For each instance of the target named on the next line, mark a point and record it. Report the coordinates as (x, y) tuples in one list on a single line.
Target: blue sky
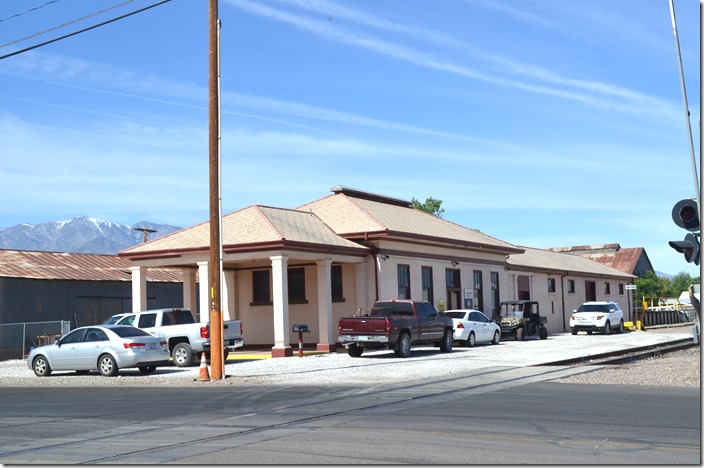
[(544, 123)]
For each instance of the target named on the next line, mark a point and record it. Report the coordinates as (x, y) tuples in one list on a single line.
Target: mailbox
[(300, 328)]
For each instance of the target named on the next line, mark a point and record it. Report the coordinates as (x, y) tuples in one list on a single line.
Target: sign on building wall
[(468, 298)]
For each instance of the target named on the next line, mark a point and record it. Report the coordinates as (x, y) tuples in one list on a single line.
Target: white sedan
[(472, 326)]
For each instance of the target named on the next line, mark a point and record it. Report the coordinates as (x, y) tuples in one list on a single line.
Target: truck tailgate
[(232, 334), (363, 326)]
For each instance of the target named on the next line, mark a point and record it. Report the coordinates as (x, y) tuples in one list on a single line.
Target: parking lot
[(371, 368)]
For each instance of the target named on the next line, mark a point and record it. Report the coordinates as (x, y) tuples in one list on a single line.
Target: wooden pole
[(216, 325)]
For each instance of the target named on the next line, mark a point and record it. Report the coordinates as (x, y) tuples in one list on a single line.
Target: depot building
[(328, 258)]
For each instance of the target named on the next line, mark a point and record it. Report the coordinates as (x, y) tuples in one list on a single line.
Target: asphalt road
[(498, 416)]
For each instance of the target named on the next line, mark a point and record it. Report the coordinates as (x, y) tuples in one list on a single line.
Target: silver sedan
[(106, 348), (472, 326)]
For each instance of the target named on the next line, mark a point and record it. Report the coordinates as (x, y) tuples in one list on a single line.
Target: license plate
[(152, 346)]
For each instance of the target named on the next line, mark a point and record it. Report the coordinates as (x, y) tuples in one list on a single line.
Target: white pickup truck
[(187, 338)]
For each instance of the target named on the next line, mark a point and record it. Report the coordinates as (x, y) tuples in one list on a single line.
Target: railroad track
[(626, 356)]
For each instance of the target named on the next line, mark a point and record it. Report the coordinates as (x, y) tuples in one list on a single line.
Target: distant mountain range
[(80, 235)]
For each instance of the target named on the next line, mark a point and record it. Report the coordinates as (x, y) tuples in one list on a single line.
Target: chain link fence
[(16, 339)]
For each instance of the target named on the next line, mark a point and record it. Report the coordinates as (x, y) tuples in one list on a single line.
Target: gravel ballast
[(680, 368)]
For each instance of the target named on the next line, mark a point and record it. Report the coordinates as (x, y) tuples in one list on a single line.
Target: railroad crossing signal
[(685, 214)]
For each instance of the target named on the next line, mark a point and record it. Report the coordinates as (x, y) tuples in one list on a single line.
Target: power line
[(17, 52), (28, 11), (65, 24)]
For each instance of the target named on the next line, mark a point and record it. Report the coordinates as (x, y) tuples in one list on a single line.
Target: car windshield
[(515, 310), (127, 332), (593, 308), (112, 320)]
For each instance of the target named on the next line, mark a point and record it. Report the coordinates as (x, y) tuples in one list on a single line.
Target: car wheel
[(446, 343), (620, 327), (497, 337), (520, 334), (589, 332), (471, 340), (182, 355), (41, 367), (354, 350), (107, 365), (403, 346), (574, 331), (607, 328), (147, 369), (543, 333)]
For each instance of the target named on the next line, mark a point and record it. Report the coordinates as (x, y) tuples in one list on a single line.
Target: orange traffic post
[(204, 374)]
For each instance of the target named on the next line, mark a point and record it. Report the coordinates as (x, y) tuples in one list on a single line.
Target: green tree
[(680, 282), (650, 285), (431, 206)]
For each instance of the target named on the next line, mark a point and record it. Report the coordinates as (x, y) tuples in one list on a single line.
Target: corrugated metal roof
[(538, 259), (611, 255), (582, 249), (348, 214), (74, 266), (625, 260)]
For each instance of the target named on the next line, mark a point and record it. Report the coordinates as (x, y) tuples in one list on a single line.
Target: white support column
[(326, 341), (228, 295), (203, 290), (189, 289), (279, 277), (139, 288), (360, 283)]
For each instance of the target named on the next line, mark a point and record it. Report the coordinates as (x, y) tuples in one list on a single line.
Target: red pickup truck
[(395, 324)]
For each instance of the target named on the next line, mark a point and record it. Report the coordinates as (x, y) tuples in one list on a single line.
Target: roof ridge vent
[(356, 193)]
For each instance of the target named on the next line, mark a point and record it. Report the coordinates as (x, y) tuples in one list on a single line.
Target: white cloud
[(603, 96)]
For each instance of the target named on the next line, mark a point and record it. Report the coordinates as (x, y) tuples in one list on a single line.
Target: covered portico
[(260, 239)]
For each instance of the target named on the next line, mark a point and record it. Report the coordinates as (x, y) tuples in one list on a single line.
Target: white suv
[(597, 316)]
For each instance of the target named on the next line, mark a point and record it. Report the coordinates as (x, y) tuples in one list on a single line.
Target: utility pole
[(216, 324), (145, 231)]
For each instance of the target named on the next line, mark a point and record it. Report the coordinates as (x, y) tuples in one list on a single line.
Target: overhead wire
[(26, 49), (65, 24), (17, 15)]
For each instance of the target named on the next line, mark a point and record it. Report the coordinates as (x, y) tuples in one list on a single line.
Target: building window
[(452, 284), (297, 285), (551, 285), (261, 290), (426, 273), (404, 281), (620, 289), (336, 283), (478, 291), (607, 288), (570, 286), (495, 297)]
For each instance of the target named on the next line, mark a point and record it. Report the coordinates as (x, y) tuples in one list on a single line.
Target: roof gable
[(251, 226)]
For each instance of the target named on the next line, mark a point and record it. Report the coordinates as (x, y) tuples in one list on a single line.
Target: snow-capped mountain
[(79, 235)]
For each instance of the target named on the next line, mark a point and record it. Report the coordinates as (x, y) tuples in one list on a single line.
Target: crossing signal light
[(685, 214), (689, 247)]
